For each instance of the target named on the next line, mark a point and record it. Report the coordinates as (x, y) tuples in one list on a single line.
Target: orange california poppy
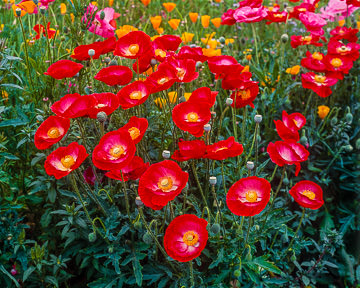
[(205, 21), (145, 2), (174, 23), (193, 17), (169, 6), (216, 22), (155, 21)]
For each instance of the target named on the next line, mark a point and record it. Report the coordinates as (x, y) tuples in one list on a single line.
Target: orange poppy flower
[(174, 23), (26, 7), (169, 6), (193, 17), (62, 9), (155, 21), (187, 37), (216, 22), (205, 21), (145, 2)]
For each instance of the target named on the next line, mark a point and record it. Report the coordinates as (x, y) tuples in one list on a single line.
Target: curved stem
[(297, 229)]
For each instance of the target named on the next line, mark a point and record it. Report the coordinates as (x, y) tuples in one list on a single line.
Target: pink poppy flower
[(250, 15), (313, 23)]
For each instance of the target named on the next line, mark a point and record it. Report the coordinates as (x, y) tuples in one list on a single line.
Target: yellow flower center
[(251, 196), (336, 62), (133, 49), (221, 148), (136, 95), (306, 39), (302, 9), (192, 117), (116, 151), (53, 133), (67, 161), (317, 56), (309, 194), (160, 52), (163, 80), (190, 238), (278, 15), (244, 94), (134, 132), (165, 183), (180, 72), (343, 49), (319, 79), (296, 123)]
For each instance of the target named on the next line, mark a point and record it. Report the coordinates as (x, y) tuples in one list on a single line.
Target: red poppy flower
[(233, 81), (248, 196), (307, 194), (306, 40), (245, 95), (191, 117), (276, 17), (289, 153), (134, 94), (104, 102), (203, 95), (194, 53), (51, 131), (222, 65), (65, 159), (163, 78), (186, 237), (228, 17), (289, 126), (143, 63), (63, 69), (90, 177), (115, 151), (349, 50), (114, 75), (194, 149), (338, 65), (343, 32), (314, 62), (136, 127), (132, 171), (167, 42), (185, 69), (318, 83), (73, 105), (302, 8), (224, 149), (81, 52), (161, 183), (133, 45), (40, 31), (355, 3), (108, 45)]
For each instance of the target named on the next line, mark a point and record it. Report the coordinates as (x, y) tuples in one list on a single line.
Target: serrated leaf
[(218, 260), (137, 270), (266, 265)]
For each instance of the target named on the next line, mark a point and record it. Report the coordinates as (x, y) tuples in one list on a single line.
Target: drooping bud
[(138, 201), (18, 12), (153, 62), (257, 118), (237, 273), (87, 90), (222, 40), (92, 236), (348, 148), (147, 238), (250, 165), (229, 101), (101, 116), (166, 154), (215, 228), (207, 127), (212, 180), (333, 121), (113, 63), (91, 52), (284, 38), (349, 118)]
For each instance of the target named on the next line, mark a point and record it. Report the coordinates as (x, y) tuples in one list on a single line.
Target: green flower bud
[(293, 258), (333, 121), (111, 249), (166, 154), (222, 40), (284, 38), (101, 116), (237, 273), (102, 15), (87, 90), (147, 238), (349, 148), (18, 12), (286, 181), (304, 140), (42, 10), (113, 63), (138, 225), (215, 228), (229, 101), (349, 118), (248, 257), (357, 144), (92, 236)]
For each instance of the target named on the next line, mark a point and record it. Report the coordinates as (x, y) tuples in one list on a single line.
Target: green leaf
[(11, 86), (28, 272), (52, 280), (13, 122), (218, 260), (137, 270), (306, 280), (3, 270), (267, 265)]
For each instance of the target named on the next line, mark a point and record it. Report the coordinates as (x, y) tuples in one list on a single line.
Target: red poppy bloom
[(114, 75), (63, 69), (248, 196), (302, 8), (132, 171), (307, 194), (289, 153), (222, 65), (167, 42), (134, 94), (115, 151), (343, 32), (90, 177), (224, 149), (314, 61), (186, 237), (161, 183), (318, 83), (133, 45), (194, 149), (40, 31), (289, 126), (143, 63), (191, 117), (203, 95), (104, 102), (73, 105), (233, 81), (136, 127), (338, 65), (65, 159), (276, 17), (194, 53), (349, 50), (306, 40), (81, 52), (51, 131), (228, 17), (185, 69), (245, 95), (108, 45), (163, 78), (355, 3)]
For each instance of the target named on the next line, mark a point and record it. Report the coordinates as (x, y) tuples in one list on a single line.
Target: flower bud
[(113, 63), (230, 45), (153, 62), (101, 116), (348, 148), (333, 121), (137, 225), (207, 127), (237, 273), (87, 90), (304, 140), (222, 40), (107, 60), (138, 201), (198, 64), (18, 12), (293, 257), (147, 238), (91, 52), (36, 2), (212, 180), (111, 249), (349, 118), (357, 144), (215, 228), (182, 99), (229, 101), (248, 256), (250, 165), (92, 236), (242, 41), (286, 181), (258, 118), (166, 154), (102, 15), (42, 10), (284, 38)]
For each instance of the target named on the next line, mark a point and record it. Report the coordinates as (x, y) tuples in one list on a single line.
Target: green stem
[(126, 196), (218, 208), (198, 183), (255, 41), (297, 229), (26, 53), (191, 274), (248, 231)]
